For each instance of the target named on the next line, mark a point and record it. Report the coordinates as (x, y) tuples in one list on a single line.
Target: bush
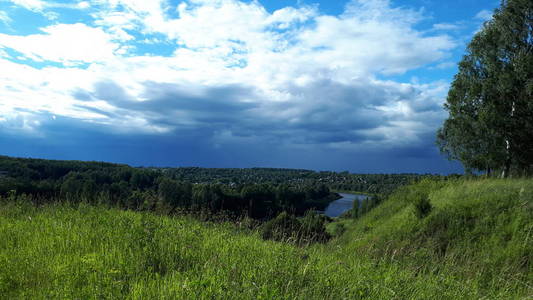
[(281, 228), (422, 207)]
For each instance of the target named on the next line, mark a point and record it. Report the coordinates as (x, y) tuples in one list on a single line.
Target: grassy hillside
[(476, 242), (478, 234)]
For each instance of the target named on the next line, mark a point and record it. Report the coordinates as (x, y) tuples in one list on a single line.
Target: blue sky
[(326, 85)]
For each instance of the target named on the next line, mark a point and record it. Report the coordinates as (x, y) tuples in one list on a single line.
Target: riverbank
[(322, 204), (343, 204), (353, 192)]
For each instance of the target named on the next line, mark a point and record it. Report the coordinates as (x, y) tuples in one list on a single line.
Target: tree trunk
[(507, 167), (250, 207)]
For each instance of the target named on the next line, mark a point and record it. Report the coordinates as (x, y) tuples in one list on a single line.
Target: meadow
[(475, 242)]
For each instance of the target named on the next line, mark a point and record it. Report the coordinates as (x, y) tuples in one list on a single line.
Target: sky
[(325, 85)]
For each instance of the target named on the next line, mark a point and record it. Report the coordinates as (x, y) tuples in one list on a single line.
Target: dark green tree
[(490, 102), (170, 194)]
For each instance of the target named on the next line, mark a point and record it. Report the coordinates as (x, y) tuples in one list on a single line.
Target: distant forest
[(259, 193), (343, 181)]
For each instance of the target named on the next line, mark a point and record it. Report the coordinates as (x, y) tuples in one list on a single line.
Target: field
[(474, 243)]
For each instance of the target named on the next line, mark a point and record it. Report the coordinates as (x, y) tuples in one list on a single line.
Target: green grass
[(475, 243)]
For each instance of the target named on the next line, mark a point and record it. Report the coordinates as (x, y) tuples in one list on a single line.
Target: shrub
[(422, 207), (281, 228)]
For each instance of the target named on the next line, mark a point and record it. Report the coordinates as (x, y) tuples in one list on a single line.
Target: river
[(337, 207)]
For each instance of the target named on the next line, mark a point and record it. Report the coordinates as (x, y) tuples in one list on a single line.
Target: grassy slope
[(476, 243)]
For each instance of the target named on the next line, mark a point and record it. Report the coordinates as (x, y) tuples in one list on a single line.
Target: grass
[(476, 242)]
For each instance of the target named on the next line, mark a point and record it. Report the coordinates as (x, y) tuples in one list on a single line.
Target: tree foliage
[(490, 102), (258, 193), (158, 189)]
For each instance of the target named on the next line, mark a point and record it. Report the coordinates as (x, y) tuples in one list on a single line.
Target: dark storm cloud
[(329, 106), (235, 125), (162, 98), (321, 112), (172, 105), (223, 99), (327, 111), (68, 138)]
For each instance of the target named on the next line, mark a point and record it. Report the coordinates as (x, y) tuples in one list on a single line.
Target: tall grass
[(474, 243)]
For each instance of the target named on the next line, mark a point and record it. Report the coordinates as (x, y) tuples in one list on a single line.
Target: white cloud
[(359, 45), (28, 89), (83, 5), (43, 7), (290, 73), (285, 17), (35, 5), (51, 15), (446, 26), (63, 43)]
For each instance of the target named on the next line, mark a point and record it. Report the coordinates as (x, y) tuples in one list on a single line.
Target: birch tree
[(490, 102)]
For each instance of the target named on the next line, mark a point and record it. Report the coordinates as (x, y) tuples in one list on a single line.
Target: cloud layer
[(227, 73)]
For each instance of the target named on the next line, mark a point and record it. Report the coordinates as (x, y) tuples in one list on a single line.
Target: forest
[(257, 193)]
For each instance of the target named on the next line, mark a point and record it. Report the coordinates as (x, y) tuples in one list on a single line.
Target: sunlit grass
[(475, 243)]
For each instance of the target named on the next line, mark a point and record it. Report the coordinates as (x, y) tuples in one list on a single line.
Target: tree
[(490, 102), (356, 209), (169, 194)]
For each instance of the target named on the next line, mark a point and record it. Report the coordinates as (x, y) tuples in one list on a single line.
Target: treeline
[(257, 201), (153, 189), (365, 183), (52, 178)]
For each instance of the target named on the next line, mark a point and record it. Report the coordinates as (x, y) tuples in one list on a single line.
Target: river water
[(337, 207)]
